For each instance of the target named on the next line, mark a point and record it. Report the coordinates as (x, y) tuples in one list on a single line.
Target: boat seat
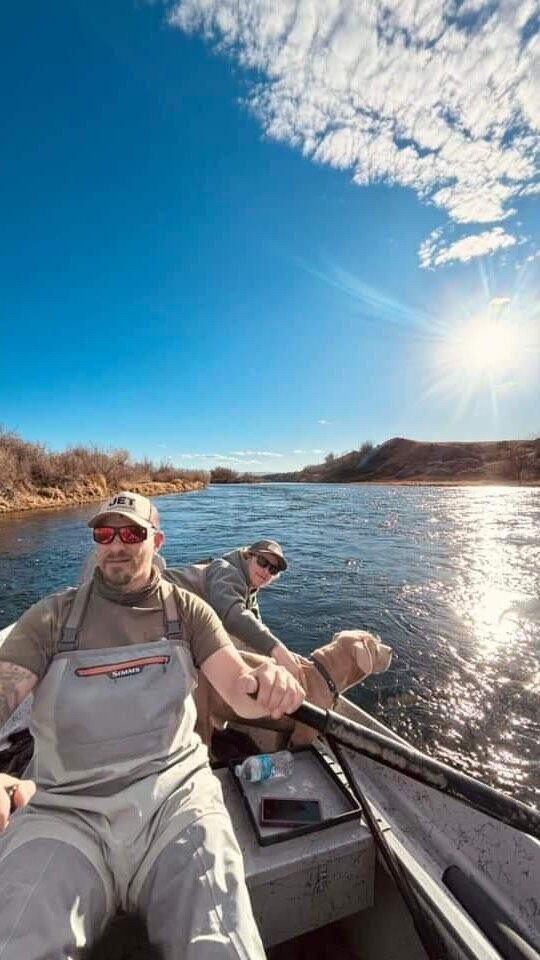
[(305, 882)]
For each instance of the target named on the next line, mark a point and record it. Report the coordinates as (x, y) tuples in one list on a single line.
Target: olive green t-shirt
[(112, 619)]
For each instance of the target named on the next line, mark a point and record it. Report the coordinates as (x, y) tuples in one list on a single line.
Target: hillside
[(400, 461)]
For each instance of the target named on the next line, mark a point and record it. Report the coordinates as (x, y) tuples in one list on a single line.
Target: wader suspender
[(173, 629), (69, 640)]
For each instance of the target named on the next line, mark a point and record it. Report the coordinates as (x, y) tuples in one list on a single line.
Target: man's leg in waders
[(194, 897), (55, 893)]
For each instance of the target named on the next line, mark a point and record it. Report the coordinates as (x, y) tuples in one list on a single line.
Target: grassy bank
[(32, 477)]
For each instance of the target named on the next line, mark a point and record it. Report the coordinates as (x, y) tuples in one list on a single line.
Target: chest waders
[(127, 813)]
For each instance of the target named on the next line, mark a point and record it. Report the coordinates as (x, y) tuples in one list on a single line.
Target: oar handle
[(312, 716), (412, 763)]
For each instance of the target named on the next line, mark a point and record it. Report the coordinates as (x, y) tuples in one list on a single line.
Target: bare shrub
[(223, 475), (365, 448), (8, 470), (32, 463)]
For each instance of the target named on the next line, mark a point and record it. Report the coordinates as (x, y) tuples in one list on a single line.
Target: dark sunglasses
[(264, 563), (131, 534)]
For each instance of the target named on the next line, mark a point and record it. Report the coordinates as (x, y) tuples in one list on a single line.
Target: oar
[(412, 763)]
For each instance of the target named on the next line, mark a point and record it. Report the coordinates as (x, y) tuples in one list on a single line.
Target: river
[(448, 576)]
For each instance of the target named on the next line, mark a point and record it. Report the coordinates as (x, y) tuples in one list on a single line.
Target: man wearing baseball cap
[(231, 584), (120, 808)]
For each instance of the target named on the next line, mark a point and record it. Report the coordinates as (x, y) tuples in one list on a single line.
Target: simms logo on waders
[(129, 668)]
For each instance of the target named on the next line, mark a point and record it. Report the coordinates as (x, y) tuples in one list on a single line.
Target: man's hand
[(274, 690), (13, 793), (291, 661)]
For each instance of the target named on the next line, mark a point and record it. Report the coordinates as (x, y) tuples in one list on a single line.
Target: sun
[(488, 350), (485, 345)]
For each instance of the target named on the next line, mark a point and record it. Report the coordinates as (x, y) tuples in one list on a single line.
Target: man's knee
[(195, 898), (52, 900)]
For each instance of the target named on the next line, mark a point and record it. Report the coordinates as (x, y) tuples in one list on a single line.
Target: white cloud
[(499, 301), (317, 451), (531, 190), (222, 457), (255, 453), (443, 98), (299, 451), (433, 253), (240, 457), (322, 421)]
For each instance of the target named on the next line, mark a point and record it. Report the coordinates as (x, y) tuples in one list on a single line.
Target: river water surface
[(448, 576)]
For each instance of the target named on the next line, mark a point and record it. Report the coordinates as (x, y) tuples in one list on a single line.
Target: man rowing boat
[(125, 811)]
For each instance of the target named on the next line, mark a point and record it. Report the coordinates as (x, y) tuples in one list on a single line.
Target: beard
[(117, 576)]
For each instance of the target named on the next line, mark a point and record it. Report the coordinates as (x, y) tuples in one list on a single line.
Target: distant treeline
[(334, 469), (32, 476), (226, 475)]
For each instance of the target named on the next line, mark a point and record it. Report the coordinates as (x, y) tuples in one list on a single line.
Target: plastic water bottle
[(266, 766)]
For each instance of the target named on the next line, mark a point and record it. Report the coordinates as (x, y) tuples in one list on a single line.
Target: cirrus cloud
[(442, 98), (255, 453), (222, 457)]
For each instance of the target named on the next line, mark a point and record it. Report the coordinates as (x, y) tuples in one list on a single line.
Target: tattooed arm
[(15, 684)]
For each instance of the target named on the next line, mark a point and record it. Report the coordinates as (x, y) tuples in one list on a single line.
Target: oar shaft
[(412, 763)]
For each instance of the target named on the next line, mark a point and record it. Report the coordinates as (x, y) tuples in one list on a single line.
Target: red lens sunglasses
[(128, 534)]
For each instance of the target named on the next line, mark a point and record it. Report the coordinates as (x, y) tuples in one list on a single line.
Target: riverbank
[(32, 477), (90, 489)]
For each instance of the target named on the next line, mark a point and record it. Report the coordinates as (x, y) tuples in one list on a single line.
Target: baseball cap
[(133, 506), (269, 546)]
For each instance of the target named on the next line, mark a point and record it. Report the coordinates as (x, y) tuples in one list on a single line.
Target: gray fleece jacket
[(224, 584)]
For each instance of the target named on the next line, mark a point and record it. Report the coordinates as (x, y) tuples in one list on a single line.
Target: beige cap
[(272, 547), (133, 506)]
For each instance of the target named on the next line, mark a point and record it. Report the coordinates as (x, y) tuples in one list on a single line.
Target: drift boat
[(412, 859)]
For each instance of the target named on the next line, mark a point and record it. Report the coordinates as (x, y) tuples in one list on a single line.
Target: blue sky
[(253, 234)]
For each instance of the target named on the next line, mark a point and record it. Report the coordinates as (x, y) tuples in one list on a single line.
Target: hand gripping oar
[(412, 763)]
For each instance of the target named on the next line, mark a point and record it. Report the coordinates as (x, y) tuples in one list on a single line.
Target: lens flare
[(486, 346), (490, 350)]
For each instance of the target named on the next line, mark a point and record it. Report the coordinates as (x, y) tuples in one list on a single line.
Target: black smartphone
[(289, 812)]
